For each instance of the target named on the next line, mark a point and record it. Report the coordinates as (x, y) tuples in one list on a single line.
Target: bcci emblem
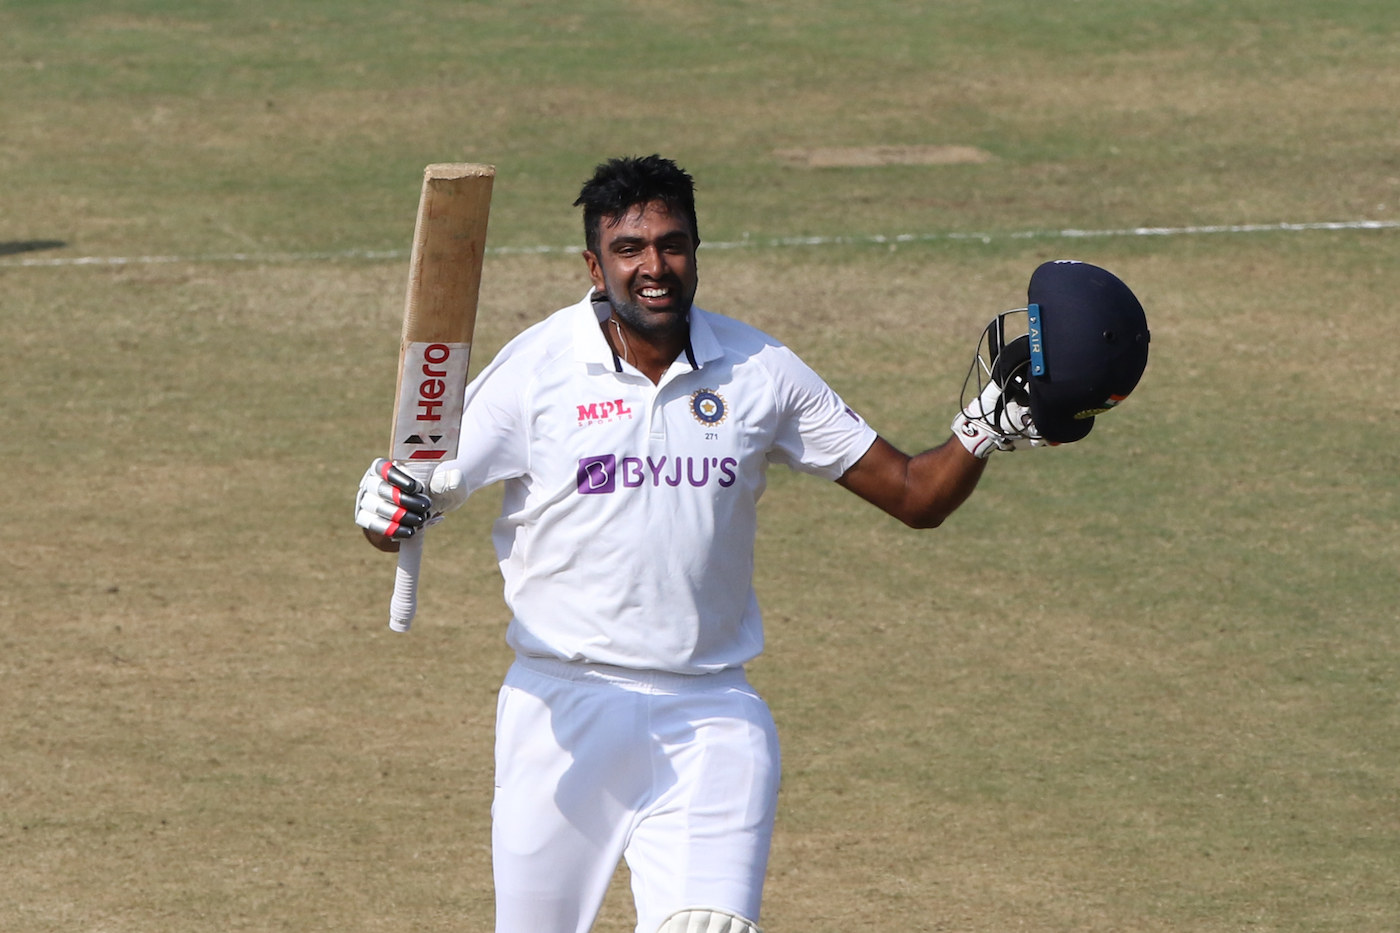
[(708, 407)]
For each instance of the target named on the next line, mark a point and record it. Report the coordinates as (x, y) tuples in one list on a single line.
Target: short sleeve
[(817, 432)]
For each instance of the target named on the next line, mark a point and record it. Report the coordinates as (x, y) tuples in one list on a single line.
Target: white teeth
[(654, 293)]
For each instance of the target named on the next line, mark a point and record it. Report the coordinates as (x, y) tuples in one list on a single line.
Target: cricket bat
[(444, 275)]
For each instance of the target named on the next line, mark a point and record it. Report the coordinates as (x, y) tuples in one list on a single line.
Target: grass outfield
[(1146, 682)]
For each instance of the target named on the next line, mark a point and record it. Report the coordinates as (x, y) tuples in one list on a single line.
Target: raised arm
[(920, 491), (923, 490)]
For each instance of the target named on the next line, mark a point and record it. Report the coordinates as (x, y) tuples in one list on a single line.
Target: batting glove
[(391, 503), (995, 421), (448, 490)]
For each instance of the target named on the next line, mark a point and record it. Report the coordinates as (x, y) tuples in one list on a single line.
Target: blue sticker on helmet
[(1037, 341)]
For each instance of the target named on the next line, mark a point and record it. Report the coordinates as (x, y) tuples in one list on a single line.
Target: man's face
[(646, 265)]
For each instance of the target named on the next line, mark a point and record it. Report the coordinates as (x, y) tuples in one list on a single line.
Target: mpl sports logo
[(603, 412), (600, 475)]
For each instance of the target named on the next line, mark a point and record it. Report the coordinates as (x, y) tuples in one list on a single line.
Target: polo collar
[(590, 346)]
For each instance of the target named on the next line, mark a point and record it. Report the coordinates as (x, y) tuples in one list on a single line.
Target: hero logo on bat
[(428, 420)]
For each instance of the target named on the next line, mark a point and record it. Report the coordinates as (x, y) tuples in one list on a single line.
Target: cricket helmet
[(1083, 350)]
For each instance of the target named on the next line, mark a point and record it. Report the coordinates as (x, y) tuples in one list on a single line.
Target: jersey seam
[(849, 453), (528, 401), (772, 384)]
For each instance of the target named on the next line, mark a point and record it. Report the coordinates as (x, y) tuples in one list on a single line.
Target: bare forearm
[(937, 482), (921, 491)]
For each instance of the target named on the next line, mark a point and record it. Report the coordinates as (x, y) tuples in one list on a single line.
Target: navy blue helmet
[(1083, 350), (1092, 346)]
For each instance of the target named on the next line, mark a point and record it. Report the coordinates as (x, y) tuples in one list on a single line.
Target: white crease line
[(1058, 234), (745, 243), (210, 257)]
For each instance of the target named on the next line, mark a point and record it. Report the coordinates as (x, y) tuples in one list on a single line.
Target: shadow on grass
[(28, 246)]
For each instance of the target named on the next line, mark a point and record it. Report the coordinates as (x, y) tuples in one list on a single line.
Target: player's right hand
[(390, 502)]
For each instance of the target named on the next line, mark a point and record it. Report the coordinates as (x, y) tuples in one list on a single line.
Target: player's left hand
[(996, 421), (391, 503)]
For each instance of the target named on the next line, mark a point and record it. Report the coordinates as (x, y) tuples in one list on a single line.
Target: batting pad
[(706, 920)]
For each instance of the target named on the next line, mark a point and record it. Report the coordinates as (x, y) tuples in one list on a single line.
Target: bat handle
[(404, 604)]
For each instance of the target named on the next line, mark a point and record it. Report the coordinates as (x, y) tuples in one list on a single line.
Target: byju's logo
[(597, 475)]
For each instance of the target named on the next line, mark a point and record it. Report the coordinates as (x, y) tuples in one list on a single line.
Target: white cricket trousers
[(676, 773)]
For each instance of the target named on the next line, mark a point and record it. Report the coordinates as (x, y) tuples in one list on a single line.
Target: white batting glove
[(993, 422), (391, 503), (448, 490)]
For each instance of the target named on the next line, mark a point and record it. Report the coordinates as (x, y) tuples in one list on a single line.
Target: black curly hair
[(620, 184)]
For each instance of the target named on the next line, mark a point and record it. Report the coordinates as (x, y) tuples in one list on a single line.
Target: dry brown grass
[(1142, 683), (1262, 122), (210, 728)]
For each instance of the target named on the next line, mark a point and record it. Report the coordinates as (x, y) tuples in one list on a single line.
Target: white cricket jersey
[(627, 532)]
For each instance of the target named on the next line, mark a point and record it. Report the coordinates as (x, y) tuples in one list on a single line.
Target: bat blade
[(449, 242)]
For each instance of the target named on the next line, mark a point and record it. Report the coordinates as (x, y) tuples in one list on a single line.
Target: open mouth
[(658, 297)]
